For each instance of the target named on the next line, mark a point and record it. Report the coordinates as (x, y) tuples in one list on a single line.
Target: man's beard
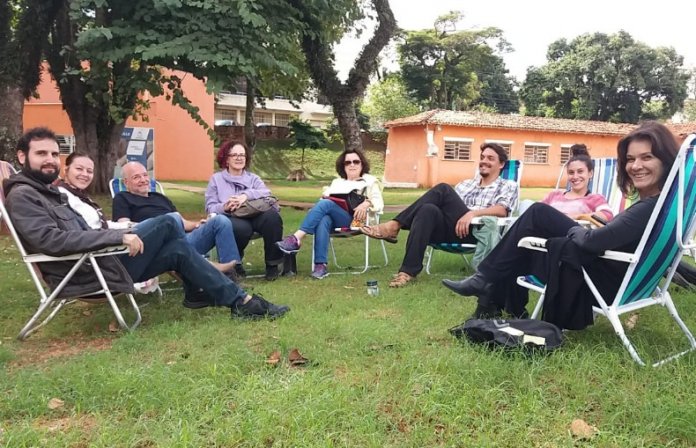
[(38, 175)]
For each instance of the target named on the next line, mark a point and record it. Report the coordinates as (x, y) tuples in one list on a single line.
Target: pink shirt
[(575, 206)]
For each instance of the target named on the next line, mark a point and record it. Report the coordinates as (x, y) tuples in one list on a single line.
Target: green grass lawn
[(384, 371)]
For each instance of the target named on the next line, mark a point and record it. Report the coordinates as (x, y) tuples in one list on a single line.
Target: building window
[(225, 114), (66, 144), (506, 144), (457, 149), (536, 153), (565, 154), (263, 117), (282, 119)]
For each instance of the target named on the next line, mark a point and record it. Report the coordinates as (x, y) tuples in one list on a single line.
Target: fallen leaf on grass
[(580, 429), (296, 359), (632, 321), (113, 327), (55, 403), (86, 313), (349, 287), (274, 359)]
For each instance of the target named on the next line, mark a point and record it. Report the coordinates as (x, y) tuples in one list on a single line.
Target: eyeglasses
[(349, 162), (236, 156)]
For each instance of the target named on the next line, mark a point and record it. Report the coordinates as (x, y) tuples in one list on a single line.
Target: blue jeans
[(167, 250), (320, 221), (216, 232)]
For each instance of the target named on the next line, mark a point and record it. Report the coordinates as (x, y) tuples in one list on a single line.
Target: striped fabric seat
[(653, 264), (512, 170), (117, 185)]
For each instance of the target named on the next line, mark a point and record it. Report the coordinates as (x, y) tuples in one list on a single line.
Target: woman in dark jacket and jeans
[(645, 157)]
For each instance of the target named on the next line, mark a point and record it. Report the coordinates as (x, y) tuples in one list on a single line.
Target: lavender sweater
[(223, 185)]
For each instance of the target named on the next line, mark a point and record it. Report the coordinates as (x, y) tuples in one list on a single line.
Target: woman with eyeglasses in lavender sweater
[(229, 188)]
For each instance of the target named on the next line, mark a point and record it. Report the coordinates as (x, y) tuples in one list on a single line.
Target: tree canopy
[(24, 28), (387, 100), (454, 69), (606, 78)]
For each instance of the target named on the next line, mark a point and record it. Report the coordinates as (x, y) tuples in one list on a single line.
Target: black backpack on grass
[(527, 334)]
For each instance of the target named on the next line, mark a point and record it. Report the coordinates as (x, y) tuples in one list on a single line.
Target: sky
[(530, 26)]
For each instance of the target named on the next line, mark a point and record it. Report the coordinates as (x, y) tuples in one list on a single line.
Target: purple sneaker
[(319, 271), (289, 245)]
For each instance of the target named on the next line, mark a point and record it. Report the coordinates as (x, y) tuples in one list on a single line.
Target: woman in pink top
[(578, 202)]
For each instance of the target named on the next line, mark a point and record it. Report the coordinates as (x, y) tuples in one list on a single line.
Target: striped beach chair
[(603, 182), (512, 170), (653, 264)]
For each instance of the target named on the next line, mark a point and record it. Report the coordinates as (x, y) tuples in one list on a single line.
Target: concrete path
[(293, 204)]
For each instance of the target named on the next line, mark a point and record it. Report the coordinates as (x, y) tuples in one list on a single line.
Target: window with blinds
[(536, 153), (565, 153), (66, 144), (457, 150)]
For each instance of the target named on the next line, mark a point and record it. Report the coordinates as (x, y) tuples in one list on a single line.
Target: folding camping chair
[(512, 170), (116, 185), (348, 232), (653, 264), (89, 258)]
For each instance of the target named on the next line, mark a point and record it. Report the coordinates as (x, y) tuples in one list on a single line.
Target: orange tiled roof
[(490, 120), (682, 129)]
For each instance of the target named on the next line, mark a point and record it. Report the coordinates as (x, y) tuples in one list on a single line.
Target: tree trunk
[(319, 55), (249, 128), (344, 111), (11, 110)]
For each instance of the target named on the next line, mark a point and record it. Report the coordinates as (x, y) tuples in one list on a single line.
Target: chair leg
[(112, 302), (31, 326), (429, 258), (536, 314)]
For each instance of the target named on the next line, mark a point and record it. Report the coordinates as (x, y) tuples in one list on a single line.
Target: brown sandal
[(379, 232), (401, 279)]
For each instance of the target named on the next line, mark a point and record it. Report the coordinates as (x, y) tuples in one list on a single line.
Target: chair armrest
[(539, 244), (502, 222), (107, 251)]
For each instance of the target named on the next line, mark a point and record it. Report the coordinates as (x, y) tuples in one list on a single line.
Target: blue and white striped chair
[(117, 185), (512, 170), (653, 264)]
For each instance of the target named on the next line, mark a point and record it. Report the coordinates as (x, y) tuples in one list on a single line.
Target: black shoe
[(272, 272), (197, 300), (487, 312), (258, 308), (475, 285), (232, 275), (239, 270)]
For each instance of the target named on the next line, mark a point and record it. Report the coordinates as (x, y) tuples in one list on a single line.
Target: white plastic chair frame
[(31, 260), (339, 232)]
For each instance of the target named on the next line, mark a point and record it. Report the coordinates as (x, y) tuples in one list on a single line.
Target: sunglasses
[(349, 162)]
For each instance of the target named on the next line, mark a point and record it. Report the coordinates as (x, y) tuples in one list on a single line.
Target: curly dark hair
[(341, 169), (225, 150), (662, 144), (40, 133), (498, 150)]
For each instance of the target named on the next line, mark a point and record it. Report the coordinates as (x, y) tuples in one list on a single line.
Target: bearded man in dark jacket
[(46, 224)]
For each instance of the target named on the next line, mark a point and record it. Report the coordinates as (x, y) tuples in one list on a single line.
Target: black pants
[(269, 225), (430, 219), (507, 261)]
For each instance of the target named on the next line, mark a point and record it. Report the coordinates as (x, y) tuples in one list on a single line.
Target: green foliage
[(387, 100), (448, 69), (607, 78), (304, 135)]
